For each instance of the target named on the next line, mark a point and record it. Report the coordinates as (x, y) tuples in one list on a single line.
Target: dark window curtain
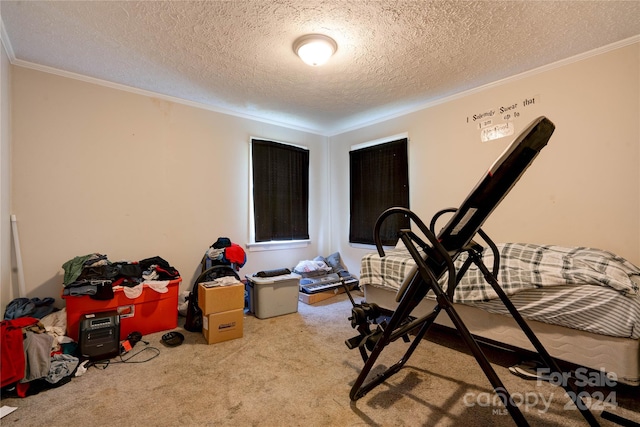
[(280, 191), (379, 180)]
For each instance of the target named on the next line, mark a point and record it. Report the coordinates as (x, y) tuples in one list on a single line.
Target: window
[(280, 196), (379, 179)]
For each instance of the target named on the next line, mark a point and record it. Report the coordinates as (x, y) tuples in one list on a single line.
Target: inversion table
[(437, 259)]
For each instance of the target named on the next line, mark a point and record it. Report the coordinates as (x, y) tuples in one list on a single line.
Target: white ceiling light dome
[(315, 49)]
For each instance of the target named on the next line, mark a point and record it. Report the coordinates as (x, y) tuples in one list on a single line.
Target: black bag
[(194, 314), (193, 323)]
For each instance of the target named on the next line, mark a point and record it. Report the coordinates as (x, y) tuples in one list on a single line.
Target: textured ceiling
[(236, 56)]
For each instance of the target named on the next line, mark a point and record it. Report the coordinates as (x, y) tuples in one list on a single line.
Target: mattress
[(618, 357), (584, 302), (580, 288)]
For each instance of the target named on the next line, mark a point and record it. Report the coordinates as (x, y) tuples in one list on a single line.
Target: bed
[(582, 303)]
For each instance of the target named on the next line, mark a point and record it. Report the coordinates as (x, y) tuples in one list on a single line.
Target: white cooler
[(273, 296)]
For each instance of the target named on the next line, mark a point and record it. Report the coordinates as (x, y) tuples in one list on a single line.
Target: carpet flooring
[(295, 370)]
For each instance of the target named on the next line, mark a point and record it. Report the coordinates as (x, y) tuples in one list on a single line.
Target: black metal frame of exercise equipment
[(439, 255)]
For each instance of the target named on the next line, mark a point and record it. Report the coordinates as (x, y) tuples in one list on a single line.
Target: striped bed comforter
[(581, 288)]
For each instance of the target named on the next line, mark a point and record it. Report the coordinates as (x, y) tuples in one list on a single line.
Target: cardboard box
[(225, 326), (273, 296), (150, 312), (320, 296), (220, 298)]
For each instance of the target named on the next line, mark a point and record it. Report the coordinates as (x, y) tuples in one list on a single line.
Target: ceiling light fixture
[(315, 49)]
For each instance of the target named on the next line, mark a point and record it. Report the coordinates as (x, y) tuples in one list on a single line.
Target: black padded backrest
[(495, 185)]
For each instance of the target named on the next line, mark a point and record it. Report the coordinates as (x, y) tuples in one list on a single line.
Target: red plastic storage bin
[(150, 312)]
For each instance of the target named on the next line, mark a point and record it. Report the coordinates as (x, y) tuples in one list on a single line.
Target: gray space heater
[(99, 336)]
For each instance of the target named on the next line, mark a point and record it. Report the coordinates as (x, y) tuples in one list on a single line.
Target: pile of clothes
[(29, 307), (96, 276), (35, 354), (224, 252)]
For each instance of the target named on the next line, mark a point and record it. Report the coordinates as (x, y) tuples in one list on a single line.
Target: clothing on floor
[(12, 358)]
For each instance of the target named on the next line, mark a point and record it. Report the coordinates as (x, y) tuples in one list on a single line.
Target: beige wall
[(97, 169), (7, 292), (583, 189)]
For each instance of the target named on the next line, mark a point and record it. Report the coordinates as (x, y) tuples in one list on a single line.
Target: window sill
[(277, 245), (369, 247)]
